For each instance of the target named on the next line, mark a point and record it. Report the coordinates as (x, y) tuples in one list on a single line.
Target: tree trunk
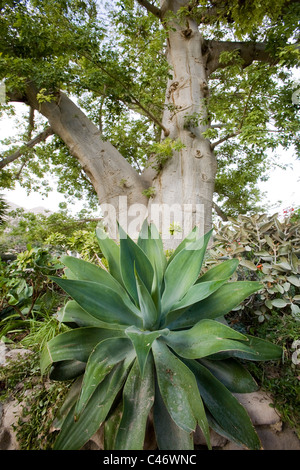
[(186, 182)]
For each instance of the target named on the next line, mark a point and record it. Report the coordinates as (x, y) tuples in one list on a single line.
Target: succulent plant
[(148, 336)]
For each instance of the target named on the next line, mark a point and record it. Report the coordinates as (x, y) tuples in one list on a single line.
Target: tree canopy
[(110, 57)]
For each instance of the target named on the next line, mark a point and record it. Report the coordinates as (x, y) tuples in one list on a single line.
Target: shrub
[(26, 292), (268, 251)]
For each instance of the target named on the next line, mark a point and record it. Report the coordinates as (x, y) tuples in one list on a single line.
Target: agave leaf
[(68, 404), (224, 407), (192, 237), (232, 374), (169, 436), (195, 293), (74, 434), (73, 313), (102, 360), (205, 338), (151, 243), (101, 302), (260, 350), (142, 342), (182, 272), (66, 370), (222, 301), (147, 307), (74, 345), (179, 390), (86, 271), (111, 252), (138, 398), (223, 270), (111, 427), (133, 257)]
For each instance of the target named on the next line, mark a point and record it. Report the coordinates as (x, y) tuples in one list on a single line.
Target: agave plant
[(148, 335)]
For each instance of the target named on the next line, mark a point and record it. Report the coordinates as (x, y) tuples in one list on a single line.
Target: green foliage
[(268, 251), (144, 335), (59, 229), (20, 380), (26, 293), (3, 210), (149, 192), (163, 151)]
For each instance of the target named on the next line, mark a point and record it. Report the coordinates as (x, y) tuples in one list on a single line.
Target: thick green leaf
[(68, 403), (138, 399), (86, 271), (183, 271), (66, 370), (169, 436), (224, 407), (102, 360), (111, 252), (74, 345), (142, 341), (221, 271), (179, 390), (260, 350), (192, 237), (222, 301), (195, 293), (74, 434), (205, 338), (111, 426), (151, 243), (133, 258), (232, 374), (147, 307), (101, 302), (73, 313)]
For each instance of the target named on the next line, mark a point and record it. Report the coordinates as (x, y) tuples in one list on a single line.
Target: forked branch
[(150, 7), (32, 143)]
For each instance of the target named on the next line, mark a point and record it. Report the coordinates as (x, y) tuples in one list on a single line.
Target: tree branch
[(220, 212), (39, 138), (151, 8), (248, 51), (227, 137)]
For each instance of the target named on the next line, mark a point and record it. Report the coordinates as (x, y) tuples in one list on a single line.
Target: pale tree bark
[(188, 177), (118, 185)]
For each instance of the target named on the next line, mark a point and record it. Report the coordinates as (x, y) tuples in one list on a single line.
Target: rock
[(3, 351), (7, 354), (271, 439), (11, 411), (215, 439), (259, 407), (232, 446)]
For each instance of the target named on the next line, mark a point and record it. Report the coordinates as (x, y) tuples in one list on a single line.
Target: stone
[(215, 439), (258, 406), (3, 351), (11, 411), (271, 439)]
